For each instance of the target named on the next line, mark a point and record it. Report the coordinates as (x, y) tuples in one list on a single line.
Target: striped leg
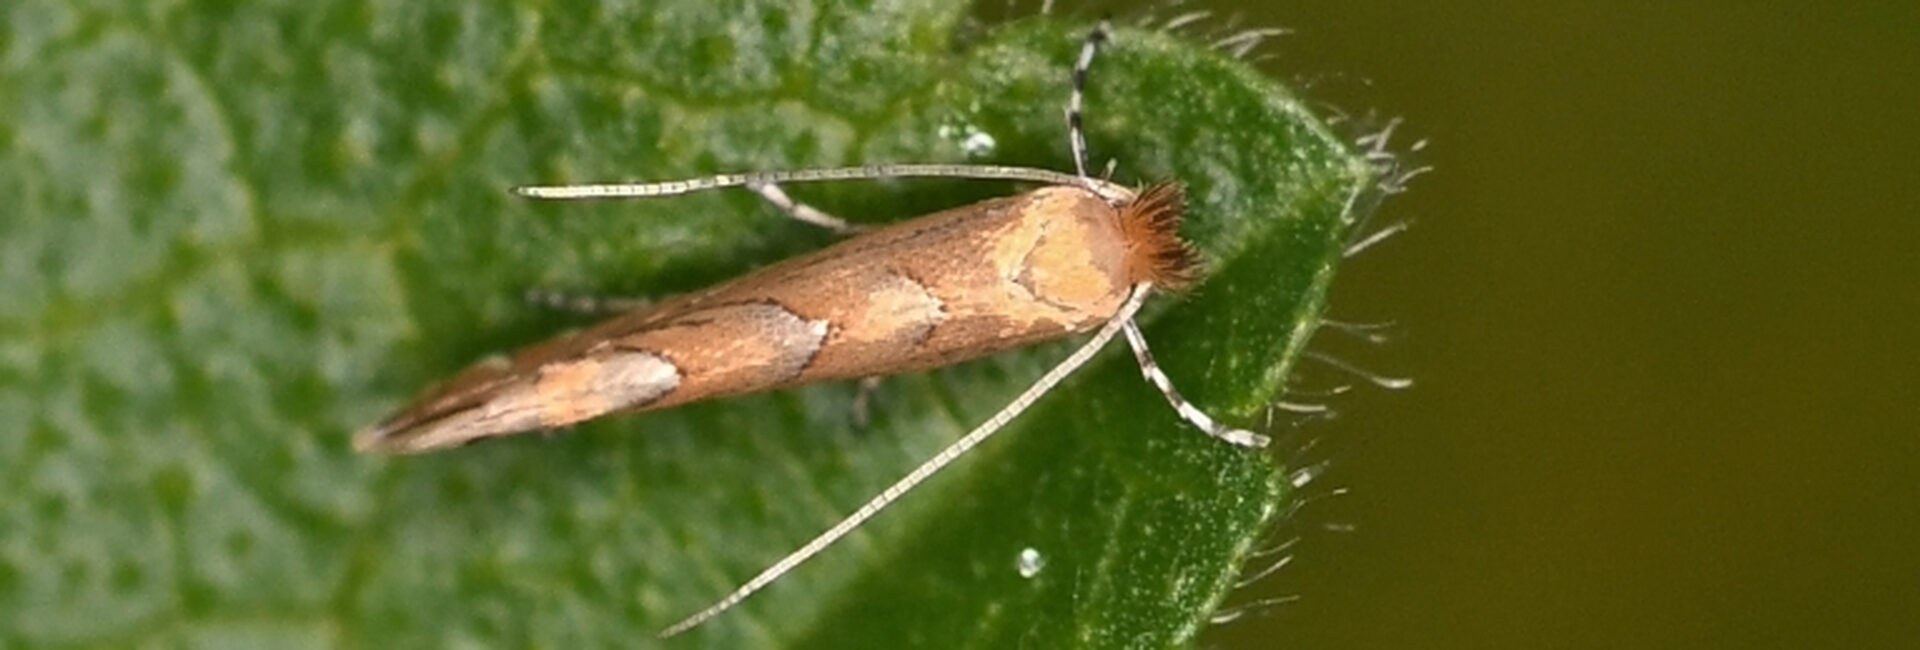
[(801, 211), (1076, 136), (1186, 409)]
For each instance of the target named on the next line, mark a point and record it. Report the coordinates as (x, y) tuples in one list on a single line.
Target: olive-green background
[(1658, 297)]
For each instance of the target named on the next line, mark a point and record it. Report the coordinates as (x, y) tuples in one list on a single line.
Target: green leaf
[(240, 232)]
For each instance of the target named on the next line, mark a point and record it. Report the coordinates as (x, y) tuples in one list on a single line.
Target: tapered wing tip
[(402, 435), (449, 423), (380, 439)]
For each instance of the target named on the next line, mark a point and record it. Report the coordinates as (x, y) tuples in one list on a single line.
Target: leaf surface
[(241, 232)]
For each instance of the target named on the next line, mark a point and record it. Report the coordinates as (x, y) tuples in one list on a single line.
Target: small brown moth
[(1079, 254)]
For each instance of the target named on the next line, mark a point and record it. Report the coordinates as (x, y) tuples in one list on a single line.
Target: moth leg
[(801, 211), (583, 303), (863, 401), (1192, 414), (1076, 135)]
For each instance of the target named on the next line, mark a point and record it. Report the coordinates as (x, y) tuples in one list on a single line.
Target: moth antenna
[(966, 443), (1076, 136), (1108, 190)]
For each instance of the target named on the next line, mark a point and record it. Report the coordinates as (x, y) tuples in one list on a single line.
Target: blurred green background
[(1658, 297)]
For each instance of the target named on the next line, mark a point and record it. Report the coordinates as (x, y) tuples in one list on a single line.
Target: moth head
[(1155, 252)]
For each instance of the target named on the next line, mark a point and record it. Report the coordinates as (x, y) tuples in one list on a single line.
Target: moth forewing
[(923, 293)]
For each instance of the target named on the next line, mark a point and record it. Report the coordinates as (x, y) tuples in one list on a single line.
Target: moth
[(1078, 254)]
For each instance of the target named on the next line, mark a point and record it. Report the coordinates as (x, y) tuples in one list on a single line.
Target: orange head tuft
[(1155, 252)]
